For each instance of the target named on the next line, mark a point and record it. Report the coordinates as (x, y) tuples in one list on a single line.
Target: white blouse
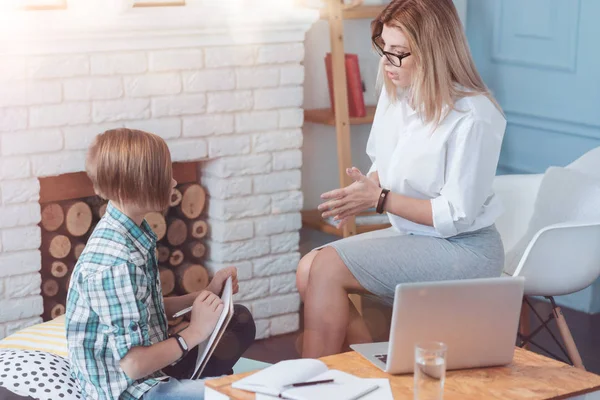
[(453, 166)]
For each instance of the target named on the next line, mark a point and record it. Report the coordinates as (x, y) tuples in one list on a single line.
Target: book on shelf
[(354, 83)]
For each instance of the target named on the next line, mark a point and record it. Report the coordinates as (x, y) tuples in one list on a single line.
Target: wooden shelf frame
[(335, 12), (359, 12)]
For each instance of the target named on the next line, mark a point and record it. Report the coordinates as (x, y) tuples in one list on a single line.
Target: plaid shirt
[(114, 303)]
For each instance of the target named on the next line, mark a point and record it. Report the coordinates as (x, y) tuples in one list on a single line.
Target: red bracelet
[(381, 201)]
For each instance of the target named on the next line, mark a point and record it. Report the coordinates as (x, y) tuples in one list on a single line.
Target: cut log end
[(102, 210), (163, 254), (192, 278), (176, 197), (167, 281), (198, 229), (176, 232), (50, 288), (52, 217), (58, 269), (78, 218), (158, 224), (60, 246), (176, 258), (78, 249), (193, 200), (196, 249), (57, 310)]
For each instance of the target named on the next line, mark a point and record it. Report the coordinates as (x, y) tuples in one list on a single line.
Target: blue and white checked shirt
[(114, 303)]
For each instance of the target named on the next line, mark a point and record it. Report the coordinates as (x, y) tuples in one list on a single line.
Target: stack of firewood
[(66, 226)]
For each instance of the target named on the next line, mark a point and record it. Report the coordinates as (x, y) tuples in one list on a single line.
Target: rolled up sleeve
[(471, 161), (117, 295)]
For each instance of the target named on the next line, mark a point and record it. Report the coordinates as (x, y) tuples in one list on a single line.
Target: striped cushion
[(49, 336)]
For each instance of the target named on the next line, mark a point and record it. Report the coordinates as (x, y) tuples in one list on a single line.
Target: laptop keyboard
[(381, 357)]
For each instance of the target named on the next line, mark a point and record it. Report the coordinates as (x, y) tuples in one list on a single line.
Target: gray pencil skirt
[(379, 260)]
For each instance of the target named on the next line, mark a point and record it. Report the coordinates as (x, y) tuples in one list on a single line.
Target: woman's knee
[(303, 272), (327, 265)]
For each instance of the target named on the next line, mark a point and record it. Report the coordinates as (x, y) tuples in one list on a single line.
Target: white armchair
[(560, 258)]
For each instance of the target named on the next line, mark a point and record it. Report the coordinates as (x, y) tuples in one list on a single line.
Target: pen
[(182, 312), (311, 383)]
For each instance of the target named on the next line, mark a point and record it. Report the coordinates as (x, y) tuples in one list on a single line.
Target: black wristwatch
[(183, 345), (381, 201)]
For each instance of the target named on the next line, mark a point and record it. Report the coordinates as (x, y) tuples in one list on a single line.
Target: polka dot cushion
[(38, 374)]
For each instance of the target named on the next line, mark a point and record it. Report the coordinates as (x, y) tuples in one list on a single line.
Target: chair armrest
[(517, 194), (561, 259)]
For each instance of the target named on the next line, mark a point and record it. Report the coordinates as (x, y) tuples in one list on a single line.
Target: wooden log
[(99, 207), (176, 232), (176, 197), (78, 249), (163, 253), (198, 229), (158, 224), (167, 281), (49, 288), (191, 278), (56, 309), (78, 218), (60, 246), (58, 269), (195, 249), (176, 321), (192, 201), (52, 217), (102, 209), (176, 258)]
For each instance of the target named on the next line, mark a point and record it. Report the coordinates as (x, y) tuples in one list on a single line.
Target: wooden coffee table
[(529, 377)]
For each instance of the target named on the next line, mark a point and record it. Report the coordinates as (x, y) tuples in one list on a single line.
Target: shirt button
[(134, 327)]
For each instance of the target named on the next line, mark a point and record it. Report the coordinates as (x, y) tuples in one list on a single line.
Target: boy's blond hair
[(131, 166)]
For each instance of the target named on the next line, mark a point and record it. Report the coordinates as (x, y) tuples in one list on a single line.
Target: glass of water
[(430, 371)]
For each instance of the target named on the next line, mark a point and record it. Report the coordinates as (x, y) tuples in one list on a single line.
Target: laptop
[(476, 318)]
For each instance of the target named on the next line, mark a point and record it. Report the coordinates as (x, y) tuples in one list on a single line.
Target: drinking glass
[(430, 371)]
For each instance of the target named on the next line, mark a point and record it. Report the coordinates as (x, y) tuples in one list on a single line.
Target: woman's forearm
[(415, 210)]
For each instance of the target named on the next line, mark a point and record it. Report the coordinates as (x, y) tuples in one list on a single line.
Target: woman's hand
[(351, 200)]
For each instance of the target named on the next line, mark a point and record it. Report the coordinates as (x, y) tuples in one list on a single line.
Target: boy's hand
[(216, 285), (205, 313)]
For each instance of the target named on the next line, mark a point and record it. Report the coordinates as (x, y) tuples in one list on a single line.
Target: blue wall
[(541, 58)]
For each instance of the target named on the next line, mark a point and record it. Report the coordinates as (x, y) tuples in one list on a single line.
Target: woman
[(434, 145)]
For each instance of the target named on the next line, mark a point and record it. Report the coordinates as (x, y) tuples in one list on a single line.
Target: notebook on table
[(277, 380)]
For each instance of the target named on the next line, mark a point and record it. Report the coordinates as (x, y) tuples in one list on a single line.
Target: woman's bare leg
[(326, 305), (357, 331)]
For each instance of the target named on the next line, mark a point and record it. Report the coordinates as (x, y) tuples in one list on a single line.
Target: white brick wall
[(237, 108)]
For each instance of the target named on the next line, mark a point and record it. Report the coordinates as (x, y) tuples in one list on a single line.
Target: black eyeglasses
[(393, 58)]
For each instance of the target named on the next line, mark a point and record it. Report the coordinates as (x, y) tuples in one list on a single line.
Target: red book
[(356, 100)]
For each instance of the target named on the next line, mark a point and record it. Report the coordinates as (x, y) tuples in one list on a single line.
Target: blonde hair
[(445, 71), (131, 166)]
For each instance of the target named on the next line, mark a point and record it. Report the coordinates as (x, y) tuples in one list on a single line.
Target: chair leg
[(567, 337), (525, 323)]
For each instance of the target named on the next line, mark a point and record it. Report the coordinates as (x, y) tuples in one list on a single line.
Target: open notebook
[(206, 348), (276, 381)]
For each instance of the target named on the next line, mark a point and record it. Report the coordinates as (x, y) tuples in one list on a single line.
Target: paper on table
[(382, 392), (272, 380)]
